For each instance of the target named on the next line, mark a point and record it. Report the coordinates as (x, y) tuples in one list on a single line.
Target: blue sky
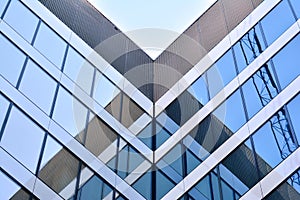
[(152, 25)]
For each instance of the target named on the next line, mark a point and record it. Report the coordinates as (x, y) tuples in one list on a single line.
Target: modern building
[(85, 113)]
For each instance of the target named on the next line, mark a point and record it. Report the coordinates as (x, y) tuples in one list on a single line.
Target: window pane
[(3, 109), (266, 148), (69, 113), (234, 114), (59, 168), (12, 60), (79, 70), (10, 187), (38, 86), (143, 185), (294, 111), (50, 44), (226, 191), (199, 90), (296, 6), (95, 188), (22, 139), (283, 17), (21, 19), (104, 90), (2, 6), (287, 63)]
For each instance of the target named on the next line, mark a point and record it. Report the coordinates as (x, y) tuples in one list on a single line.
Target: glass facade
[(73, 127)]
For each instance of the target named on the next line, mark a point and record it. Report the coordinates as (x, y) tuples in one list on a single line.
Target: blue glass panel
[(3, 108), (191, 161), (3, 4), (12, 60), (50, 45), (283, 17), (227, 192), (69, 113), (79, 70), (265, 145), (8, 187), (38, 86), (233, 114), (104, 90), (94, 189), (199, 90), (23, 139), (163, 185), (21, 19), (215, 186), (287, 63), (296, 7), (204, 187), (226, 67), (294, 111), (143, 185), (248, 47)]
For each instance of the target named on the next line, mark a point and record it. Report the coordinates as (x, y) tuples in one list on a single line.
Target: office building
[(85, 113)]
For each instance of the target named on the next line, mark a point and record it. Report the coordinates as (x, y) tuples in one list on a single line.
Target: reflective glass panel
[(10, 187), (221, 73), (283, 17), (294, 112), (59, 168), (50, 45), (69, 112), (3, 3), (95, 188), (266, 148), (12, 60), (287, 63), (38, 86), (104, 90), (296, 7), (232, 112), (21, 19), (79, 70), (23, 139), (3, 108), (287, 190), (199, 90)]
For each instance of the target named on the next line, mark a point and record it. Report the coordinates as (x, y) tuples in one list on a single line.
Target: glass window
[(3, 109), (143, 185), (104, 90), (95, 188), (204, 187), (287, 63), (2, 6), (294, 111), (296, 7), (221, 73), (59, 168), (12, 61), (161, 180), (199, 90), (233, 112), (21, 19), (266, 148), (283, 17), (79, 70), (69, 113), (248, 47), (23, 139), (8, 187), (50, 44), (38, 86), (227, 192), (251, 94)]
